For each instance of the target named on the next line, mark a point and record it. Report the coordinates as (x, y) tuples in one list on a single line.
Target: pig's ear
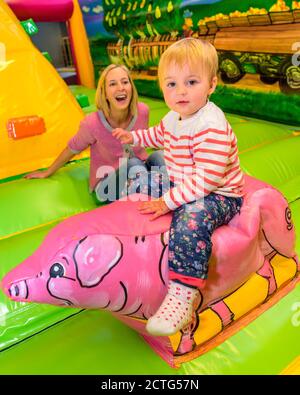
[(95, 257)]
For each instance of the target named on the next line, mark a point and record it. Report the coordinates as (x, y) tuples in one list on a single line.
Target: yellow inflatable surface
[(30, 86)]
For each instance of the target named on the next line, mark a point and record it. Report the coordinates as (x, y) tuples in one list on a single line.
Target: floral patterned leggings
[(191, 229)]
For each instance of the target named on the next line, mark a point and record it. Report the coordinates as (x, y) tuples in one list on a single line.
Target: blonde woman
[(118, 106)]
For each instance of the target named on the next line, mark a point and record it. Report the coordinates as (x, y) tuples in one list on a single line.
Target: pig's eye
[(57, 270)]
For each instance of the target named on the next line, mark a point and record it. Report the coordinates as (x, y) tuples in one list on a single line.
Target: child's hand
[(156, 206), (122, 135)]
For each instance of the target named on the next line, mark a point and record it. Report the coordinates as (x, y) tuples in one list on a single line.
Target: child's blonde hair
[(100, 97), (198, 54)]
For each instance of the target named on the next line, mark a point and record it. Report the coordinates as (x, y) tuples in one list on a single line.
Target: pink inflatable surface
[(114, 258)]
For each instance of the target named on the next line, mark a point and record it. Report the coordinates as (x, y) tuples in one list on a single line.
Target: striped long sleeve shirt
[(200, 153)]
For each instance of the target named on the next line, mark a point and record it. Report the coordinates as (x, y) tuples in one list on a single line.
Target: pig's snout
[(17, 291)]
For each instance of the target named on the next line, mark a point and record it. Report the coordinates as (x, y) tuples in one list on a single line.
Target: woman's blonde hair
[(199, 54), (101, 99)]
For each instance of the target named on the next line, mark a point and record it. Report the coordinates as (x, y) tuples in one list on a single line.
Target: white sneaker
[(175, 312)]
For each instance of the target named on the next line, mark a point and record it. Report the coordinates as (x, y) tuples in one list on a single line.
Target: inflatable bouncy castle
[(112, 257), (35, 91), (79, 282)]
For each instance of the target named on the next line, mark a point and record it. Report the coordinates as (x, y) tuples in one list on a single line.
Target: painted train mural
[(253, 36)]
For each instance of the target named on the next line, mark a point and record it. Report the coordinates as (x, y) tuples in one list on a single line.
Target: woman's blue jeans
[(114, 185)]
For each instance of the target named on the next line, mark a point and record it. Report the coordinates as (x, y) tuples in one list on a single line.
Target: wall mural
[(99, 37), (258, 41)]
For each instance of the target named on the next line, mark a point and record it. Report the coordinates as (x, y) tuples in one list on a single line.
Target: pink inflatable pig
[(114, 258)]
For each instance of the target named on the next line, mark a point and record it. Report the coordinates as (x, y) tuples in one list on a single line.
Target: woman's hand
[(122, 135), (156, 206), (38, 174)]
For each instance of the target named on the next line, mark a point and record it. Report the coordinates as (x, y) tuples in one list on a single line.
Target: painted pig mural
[(114, 258)]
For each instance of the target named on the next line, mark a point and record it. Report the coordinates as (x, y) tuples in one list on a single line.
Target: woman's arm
[(62, 159)]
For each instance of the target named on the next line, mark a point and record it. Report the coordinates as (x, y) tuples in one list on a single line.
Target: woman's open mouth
[(121, 98)]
